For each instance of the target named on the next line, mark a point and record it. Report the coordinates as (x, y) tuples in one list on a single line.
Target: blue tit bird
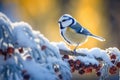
[(73, 33)]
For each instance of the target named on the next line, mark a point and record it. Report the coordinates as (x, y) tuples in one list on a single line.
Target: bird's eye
[(63, 20)]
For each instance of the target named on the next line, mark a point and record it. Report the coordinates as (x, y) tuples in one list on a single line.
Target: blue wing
[(81, 30)]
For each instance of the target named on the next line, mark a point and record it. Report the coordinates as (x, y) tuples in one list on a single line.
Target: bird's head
[(66, 20)]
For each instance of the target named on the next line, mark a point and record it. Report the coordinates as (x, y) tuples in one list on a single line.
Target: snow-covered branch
[(25, 54)]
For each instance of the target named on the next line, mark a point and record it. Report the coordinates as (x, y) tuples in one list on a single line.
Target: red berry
[(113, 56), (77, 67), (72, 69), (81, 71), (10, 50), (43, 47), (98, 73), (112, 70), (118, 64), (98, 67), (65, 57), (82, 65), (71, 62), (88, 70), (21, 50), (77, 62)]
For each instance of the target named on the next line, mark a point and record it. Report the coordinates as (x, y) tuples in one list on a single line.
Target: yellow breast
[(73, 37)]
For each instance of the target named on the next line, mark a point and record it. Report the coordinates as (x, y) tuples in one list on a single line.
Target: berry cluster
[(82, 68), (115, 60), (9, 51)]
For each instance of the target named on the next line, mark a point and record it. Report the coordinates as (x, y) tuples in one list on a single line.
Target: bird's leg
[(74, 50)]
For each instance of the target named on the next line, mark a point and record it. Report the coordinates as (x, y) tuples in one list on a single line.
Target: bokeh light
[(99, 16)]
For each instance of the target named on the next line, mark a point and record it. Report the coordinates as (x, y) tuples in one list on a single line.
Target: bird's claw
[(74, 52)]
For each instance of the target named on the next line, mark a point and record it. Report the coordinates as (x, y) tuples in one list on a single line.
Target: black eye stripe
[(61, 27), (66, 19)]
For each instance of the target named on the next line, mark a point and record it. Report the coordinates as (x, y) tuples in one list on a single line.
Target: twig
[(66, 52), (71, 53)]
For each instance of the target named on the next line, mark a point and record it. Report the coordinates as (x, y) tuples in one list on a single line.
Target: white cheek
[(66, 23)]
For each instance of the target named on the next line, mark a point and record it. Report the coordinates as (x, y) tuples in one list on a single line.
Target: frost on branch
[(103, 62), (25, 54)]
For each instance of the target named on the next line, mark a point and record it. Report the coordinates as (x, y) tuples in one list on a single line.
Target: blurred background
[(101, 17)]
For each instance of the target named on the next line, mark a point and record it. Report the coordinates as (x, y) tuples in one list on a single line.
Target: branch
[(71, 53), (66, 52)]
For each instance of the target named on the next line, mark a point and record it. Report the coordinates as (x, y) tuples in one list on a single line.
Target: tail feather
[(98, 38)]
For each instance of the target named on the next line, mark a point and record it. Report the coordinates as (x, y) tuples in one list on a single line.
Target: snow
[(64, 67), (38, 72), (114, 50), (23, 34), (40, 63), (92, 54), (2, 62)]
